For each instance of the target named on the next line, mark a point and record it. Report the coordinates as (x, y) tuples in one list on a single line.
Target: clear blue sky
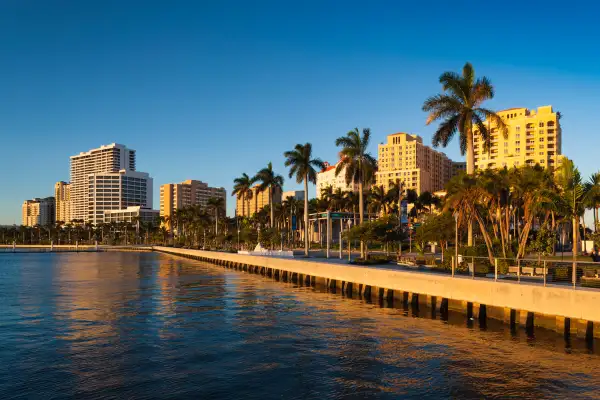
[(208, 90)]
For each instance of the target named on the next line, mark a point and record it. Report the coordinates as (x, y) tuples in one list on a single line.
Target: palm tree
[(459, 108), (378, 201), (571, 201), (242, 187), (269, 180), (359, 164), (302, 165), (217, 204), (593, 189)]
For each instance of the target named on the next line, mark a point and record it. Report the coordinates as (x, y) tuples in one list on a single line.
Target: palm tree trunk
[(361, 214), (575, 246), (470, 171), (306, 243), (271, 206)]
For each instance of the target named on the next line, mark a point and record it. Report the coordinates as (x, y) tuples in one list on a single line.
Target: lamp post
[(349, 241), (455, 243), (238, 239)]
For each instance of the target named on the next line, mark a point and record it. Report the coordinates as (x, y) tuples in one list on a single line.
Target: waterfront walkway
[(528, 303)]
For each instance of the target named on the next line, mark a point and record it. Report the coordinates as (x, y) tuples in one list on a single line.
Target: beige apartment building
[(534, 137), (458, 167), (406, 159), (38, 212), (62, 196), (257, 202), (327, 178), (174, 196)]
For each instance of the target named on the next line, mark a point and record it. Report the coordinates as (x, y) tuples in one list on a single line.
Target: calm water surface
[(127, 325)]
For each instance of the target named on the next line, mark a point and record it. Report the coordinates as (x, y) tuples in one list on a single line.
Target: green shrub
[(373, 260)]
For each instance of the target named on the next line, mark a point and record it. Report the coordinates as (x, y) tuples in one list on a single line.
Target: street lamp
[(349, 242), (238, 240), (455, 263)]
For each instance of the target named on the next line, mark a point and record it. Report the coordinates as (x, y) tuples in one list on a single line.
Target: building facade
[(257, 201), (174, 196), (534, 137), (62, 197), (38, 212), (131, 214), (296, 194), (404, 158), (111, 158), (458, 167), (117, 191), (327, 178)]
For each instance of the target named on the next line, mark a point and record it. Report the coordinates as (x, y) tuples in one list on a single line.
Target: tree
[(571, 201), (242, 187), (460, 109), (592, 187), (302, 165), (269, 180), (543, 244), (217, 204), (359, 164)]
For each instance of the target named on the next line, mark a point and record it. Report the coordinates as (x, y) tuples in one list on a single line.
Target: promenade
[(564, 309)]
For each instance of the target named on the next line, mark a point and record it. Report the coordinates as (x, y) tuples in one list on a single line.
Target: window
[(517, 129), (541, 153), (541, 124), (517, 143), (505, 144), (518, 150), (518, 136), (541, 139)]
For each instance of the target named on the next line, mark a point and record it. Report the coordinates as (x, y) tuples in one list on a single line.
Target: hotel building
[(105, 179), (296, 194), (62, 197), (534, 137), (327, 178), (174, 196), (406, 159), (256, 202), (38, 212)]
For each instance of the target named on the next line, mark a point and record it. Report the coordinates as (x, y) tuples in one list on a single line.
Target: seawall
[(564, 309)]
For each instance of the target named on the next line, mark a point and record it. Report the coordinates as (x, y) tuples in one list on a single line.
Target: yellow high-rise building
[(257, 202), (62, 196), (534, 137), (406, 159)]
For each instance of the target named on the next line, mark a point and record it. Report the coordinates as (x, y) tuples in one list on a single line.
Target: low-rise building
[(296, 194), (132, 214), (328, 179)]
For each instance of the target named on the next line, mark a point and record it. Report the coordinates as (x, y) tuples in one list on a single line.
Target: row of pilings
[(475, 313)]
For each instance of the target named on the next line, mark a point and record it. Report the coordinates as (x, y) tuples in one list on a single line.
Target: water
[(128, 325)]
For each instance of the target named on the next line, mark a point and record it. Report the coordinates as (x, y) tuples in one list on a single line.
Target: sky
[(208, 90)]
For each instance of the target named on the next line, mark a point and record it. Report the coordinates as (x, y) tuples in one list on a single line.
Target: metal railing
[(579, 273)]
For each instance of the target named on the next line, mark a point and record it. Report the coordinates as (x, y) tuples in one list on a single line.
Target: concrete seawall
[(568, 310)]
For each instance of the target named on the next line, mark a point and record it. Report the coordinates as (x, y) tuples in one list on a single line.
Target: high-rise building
[(62, 196), (117, 191), (105, 179), (256, 202), (174, 196), (406, 159), (38, 212), (533, 138), (327, 178)]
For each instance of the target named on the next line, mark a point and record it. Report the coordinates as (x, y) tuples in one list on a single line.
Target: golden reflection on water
[(149, 325)]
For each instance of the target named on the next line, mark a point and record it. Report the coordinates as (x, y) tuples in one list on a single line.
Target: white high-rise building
[(105, 179)]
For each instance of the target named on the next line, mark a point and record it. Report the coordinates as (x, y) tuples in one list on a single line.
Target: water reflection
[(94, 325)]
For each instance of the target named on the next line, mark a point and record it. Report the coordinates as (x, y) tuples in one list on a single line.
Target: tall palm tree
[(242, 187), (359, 164), (269, 180), (302, 165), (378, 201), (460, 109), (571, 201), (593, 189), (217, 204)]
